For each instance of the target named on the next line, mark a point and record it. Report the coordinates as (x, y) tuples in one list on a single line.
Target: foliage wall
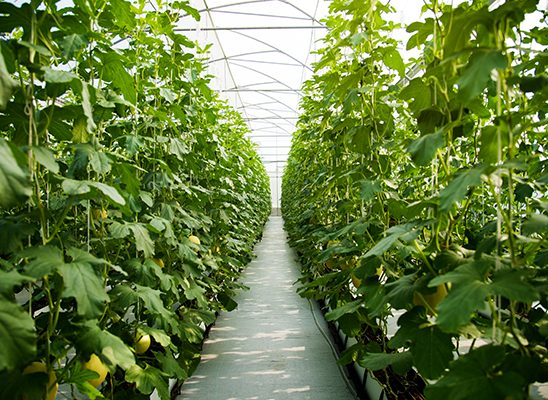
[(130, 199), (427, 195)]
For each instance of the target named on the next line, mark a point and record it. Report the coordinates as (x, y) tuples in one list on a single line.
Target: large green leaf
[(510, 284), (407, 232), (17, 336), (424, 149), (369, 189), (82, 282), (46, 157), (476, 375), (467, 294), (112, 64), (170, 366), (179, 148), (8, 85), (100, 162), (393, 59), (401, 362), (109, 191), (46, 260), (12, 231), (90, 339), (458, 187), (462, 25), (15, 183), (8, 280), (478, 72), (148, 379), (123, 14), (432, 349), (420, 92), (71, 44), (142, 239), (348, 308)]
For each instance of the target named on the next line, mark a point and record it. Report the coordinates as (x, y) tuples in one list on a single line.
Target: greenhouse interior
[(273, 199)]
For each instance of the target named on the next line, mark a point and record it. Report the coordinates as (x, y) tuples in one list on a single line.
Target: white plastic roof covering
[(260, 56)]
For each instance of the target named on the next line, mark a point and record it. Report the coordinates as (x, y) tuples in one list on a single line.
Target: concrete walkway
[(275, 345)]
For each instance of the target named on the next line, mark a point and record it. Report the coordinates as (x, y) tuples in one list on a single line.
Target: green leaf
[(123, 14), (90, 339), (46, 158), (478, 72), (148, 379), (407, 232), (458, 187), (120, 77), (71, 44), (150, 297), (361, 139), (17, 336), (350, 324), (82, 282), (536, 223), (423, 29), (100, 162), (424, 149), (401, 362), (108, 191), (159, 335), (489, 144), (12, 232), (170, 366), (142, 239), (509, 283), (467, 295), (8, 280), (228, 303), (127, 173), (348, 308), (7, 85), (179, 148), (74, 188), (476, 375), (118, 230), (393, 59), (36, 47), (133, 144), (15, 184), (533, 83), (141, 273), (193, 291), (420, 92), (462, 26), (47, 259), (401, 291), (432, 351), (79, 130), (58, 76), (369, 188)]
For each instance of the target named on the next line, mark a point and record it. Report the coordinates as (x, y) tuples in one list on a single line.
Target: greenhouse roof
[(260, 56)]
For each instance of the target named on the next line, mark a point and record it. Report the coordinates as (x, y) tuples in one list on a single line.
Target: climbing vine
[(130, 199), (426, 195)]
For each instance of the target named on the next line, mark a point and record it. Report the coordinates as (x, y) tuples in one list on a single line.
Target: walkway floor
[(275, 345)]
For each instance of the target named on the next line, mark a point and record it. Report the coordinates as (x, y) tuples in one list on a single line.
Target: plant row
[(130, 199), (426, 194)]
